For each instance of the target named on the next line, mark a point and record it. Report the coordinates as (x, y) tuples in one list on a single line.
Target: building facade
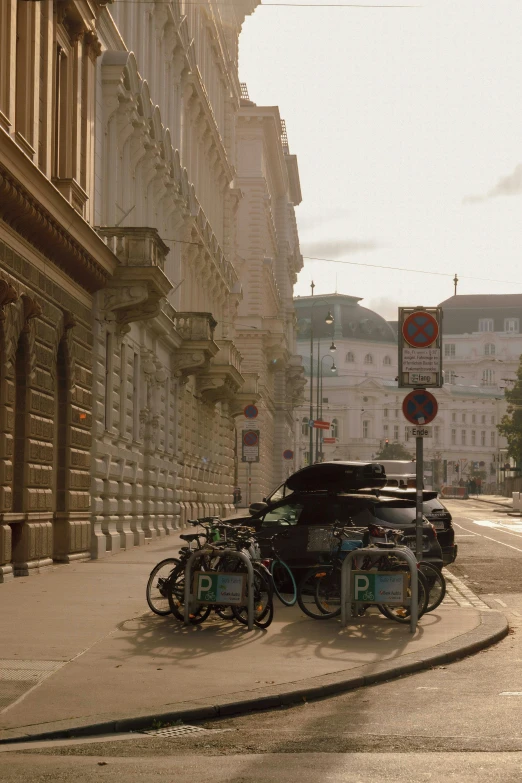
[(361, 401), (52, 264), (268, 262)]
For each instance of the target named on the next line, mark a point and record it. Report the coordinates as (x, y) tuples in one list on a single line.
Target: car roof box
[(337, 477)]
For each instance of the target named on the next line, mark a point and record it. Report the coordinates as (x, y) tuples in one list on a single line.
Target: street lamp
[(333, 368), (328, 320)]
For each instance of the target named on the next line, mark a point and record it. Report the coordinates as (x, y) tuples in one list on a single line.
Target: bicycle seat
[(190, 536), (385, 544)]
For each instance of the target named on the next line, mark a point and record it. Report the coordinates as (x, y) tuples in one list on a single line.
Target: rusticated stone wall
[(45, 417)]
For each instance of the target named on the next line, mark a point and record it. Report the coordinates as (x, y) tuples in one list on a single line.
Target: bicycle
[(283, 580)]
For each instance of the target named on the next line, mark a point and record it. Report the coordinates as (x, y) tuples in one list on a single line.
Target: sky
[(407, 126)]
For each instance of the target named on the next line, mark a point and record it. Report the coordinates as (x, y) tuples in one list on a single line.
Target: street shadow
[(168, 638)]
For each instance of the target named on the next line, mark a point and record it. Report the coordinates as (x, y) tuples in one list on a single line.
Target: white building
[(268, 262), (361, 400)]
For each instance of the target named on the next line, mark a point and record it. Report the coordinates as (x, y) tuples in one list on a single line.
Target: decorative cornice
[(20, 210)]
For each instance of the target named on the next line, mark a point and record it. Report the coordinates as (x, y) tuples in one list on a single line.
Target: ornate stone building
[(52, 263), (268, 263), (168, 377)]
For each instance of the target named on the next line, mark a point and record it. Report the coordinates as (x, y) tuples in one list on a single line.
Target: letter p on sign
[(361, 585), (204, 585)]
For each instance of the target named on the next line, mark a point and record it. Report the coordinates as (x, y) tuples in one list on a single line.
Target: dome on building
[(351, 320)]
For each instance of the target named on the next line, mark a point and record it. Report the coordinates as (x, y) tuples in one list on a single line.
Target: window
[(385, 430), (287, 514), (483, 420), (493, 420), (473, 437), (450, 376), (511, 325), (109, 371), (492, 438), (453, 417), (395, 433), (406, 435), (482, 438), (473, 418), (453, 437), (136, 397), (386, 360), (368, 359), (335, 428), (396, 413), (488, 377), (463, 418), (304, 427), (449, 349), (436, 434), (485, 324), (489, 349), (366, 429), (350, 357), (385, 413), (463, 437)]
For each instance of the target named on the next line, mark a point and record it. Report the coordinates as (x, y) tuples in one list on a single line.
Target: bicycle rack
[(189, 597), (346, 581)]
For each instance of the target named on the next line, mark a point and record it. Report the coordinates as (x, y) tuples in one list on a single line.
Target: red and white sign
[(420, 329), (420, 407), (329, 440), (321, 425)]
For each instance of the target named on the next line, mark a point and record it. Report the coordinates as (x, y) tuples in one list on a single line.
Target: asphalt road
[(461, 722)]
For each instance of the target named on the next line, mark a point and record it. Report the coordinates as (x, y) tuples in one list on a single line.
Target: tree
[(393, 451), (511, 424)]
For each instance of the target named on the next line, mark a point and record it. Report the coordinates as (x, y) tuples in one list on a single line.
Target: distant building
[(482, 344)]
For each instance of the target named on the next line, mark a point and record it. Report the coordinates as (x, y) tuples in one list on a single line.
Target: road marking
[(500, 602), (510, 693), (455, 524), (502, 543), (468, 535)]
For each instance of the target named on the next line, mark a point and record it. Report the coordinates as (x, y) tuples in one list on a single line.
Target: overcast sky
[(407, 124)]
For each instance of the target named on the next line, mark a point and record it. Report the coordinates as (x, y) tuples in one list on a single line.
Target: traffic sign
[(329, 440), (288, 454), (420, 407), (250, 446), (420, 349), (420, 329), (250, 412), (419, 432)]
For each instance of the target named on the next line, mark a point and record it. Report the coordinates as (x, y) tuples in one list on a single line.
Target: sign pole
[(249, 483), (419, 455)]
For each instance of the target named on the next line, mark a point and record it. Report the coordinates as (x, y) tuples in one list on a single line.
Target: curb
[(493, 627), (504, 506)]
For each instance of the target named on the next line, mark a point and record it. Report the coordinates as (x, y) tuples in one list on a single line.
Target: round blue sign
[(288, 454), (420, 407), (250, 438), (250, 412)]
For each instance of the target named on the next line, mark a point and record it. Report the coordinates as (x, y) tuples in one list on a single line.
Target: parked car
[(437, 513), (320, 496)]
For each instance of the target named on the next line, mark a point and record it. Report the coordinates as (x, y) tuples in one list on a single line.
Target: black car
[(323, 495), (436, 513)]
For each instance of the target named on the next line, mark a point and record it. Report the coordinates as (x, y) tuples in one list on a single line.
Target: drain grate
[(176, 731)]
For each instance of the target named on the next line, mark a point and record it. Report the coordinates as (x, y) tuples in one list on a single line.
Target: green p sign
[(379, 587), (219, 588)]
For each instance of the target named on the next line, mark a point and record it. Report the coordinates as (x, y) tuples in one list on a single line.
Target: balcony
[(295, 380), (198, 347), (223, 379), (139, 284)]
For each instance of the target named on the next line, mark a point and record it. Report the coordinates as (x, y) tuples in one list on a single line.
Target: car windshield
[(432, 505), (286, 514)]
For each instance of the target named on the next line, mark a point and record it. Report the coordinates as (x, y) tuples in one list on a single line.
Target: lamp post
[(333, 368), (328, 320)]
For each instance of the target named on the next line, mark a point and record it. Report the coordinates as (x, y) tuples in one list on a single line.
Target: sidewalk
[(81, 653), (496, 500)]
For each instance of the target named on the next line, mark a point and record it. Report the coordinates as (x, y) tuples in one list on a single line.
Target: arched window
[(489, 349), (366, 429), (488, 377), (350, 357), (335, 428), (368, 359), (386, 360), (304, 427)]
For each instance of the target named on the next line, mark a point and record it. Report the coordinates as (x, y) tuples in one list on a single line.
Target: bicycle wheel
[(284, 582), (436, 584), (157, 597), (176, 597), (402, 614), (263, 602), (319, 593)]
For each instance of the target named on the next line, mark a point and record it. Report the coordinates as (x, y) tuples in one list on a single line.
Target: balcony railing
[(195, 326)]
